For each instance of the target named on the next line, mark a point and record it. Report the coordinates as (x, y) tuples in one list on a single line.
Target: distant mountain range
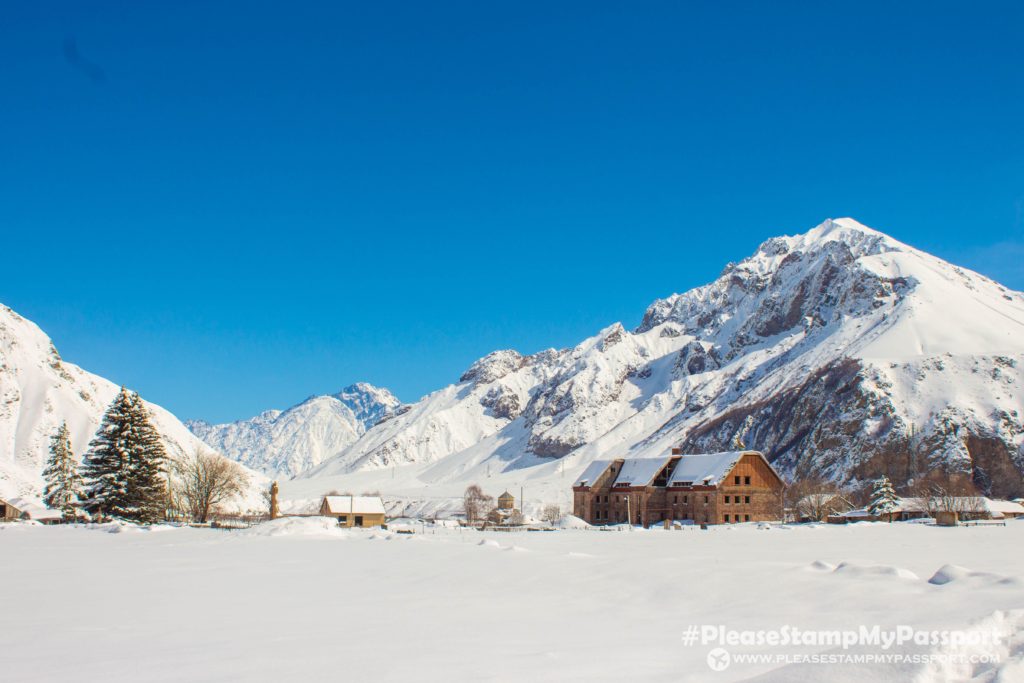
[(285, 443), (840, 352)]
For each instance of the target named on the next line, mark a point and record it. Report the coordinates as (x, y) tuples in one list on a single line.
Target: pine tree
[(123, 468), (147, 485), (63, 482), (105, 465), (884, 500)]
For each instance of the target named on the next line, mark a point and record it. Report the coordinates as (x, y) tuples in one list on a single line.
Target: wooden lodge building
[(715, 488)]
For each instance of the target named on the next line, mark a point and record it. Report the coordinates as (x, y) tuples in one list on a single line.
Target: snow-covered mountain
[(38, 391), (840, 351), (285, 443)]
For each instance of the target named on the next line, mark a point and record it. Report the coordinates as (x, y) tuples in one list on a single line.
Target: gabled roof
[(593, 471), (34, 510), (1007, 506), (707, 469), (358, 505), (640, 471)]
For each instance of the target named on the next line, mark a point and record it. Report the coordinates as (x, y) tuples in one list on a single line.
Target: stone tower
[(275, 512)]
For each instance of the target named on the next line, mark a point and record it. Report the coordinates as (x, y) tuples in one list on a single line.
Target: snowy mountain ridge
[(39, 390), (841, 352), (284, 443)]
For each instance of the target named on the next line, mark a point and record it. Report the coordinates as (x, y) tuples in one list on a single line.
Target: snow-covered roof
[(1004, 506), (592, 472), (997, 508), (640, 471), (706, 469), (360, 505), (34, 509), (820, 499)]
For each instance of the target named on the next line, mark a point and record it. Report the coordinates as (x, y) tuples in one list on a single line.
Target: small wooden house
[(8, 511), (13, 509), (354, 511)]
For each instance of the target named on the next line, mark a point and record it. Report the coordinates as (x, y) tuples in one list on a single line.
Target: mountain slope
[(841, 352), (38, 390), (285, 443)]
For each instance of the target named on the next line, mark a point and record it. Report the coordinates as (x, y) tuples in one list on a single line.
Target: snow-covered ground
[(301, 600)]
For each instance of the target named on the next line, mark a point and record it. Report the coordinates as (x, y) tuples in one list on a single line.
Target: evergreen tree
[(147, 485), (63, 482), (884, 500), (123, 468), (105, 465)]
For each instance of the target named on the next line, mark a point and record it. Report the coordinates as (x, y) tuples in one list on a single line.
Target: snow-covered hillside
[(38, 391), (840, 351), (284, 443)]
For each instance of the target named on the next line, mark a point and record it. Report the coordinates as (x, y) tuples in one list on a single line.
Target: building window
[(342, 519), (727, 519), (746, 499), (746, 480), (727, 500), (705, 500), (736, 480), (746, 518), (684, 499)]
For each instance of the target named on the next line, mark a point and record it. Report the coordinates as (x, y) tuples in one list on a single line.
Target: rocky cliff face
[(840, 351)]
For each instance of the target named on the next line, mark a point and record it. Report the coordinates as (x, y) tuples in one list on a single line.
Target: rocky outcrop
[(493, 367), (503, 402)]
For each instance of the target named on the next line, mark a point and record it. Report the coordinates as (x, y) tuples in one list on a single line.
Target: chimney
[(676, 450)]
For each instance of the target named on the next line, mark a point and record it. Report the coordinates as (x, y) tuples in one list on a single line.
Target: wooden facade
[(729, 488), (8, 511), (13, 509), (354, 511)]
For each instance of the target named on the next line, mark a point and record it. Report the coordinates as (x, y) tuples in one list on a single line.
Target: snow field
[(287, 601)]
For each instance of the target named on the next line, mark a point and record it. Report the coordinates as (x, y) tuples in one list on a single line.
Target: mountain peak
[(861, 239), (284, 443)]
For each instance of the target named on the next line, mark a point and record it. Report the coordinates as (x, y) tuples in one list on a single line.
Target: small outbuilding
[(13, 509), (354, 511), (506, 501)]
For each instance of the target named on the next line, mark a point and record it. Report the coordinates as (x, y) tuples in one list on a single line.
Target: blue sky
[(232, 206)]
